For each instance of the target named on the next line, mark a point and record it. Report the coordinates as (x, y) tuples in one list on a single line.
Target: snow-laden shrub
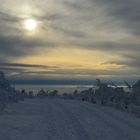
[(31, 95), (117, 105), (3, 99), (8, 94), (132, 108), (53, 93), (42, 94)]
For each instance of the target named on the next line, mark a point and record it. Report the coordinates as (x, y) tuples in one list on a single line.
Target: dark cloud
[(76, 5), (22, 65), (15, 46), (129, 61), (18, 46), (69, 32), (14, 69), (8, 18), (125, 11)]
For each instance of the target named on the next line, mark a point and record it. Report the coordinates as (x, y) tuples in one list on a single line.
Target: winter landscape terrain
[(107, 113), (69, 69), (58, 119)]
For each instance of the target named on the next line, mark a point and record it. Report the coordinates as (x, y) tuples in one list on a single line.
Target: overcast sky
[(74, 39)]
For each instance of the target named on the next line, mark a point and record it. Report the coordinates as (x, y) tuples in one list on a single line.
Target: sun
[(30, 24)]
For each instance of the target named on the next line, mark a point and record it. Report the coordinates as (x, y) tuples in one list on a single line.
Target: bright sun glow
[(30, 24)]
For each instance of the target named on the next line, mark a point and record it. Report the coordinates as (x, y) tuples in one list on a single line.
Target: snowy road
[(58, 119)]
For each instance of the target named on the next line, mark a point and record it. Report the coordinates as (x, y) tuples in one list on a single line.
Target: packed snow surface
[(58, 119)]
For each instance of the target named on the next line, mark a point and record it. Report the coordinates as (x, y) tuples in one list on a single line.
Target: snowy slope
[(58, 119)]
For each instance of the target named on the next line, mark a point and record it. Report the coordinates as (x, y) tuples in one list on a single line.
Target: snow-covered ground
[(58, 119)]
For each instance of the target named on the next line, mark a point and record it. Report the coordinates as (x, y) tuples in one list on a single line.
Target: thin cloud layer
[(103, 32)]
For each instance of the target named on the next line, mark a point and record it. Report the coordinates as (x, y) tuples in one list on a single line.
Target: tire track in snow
[(58, 119), (127, 122), (68, 121), (116, 126), (79, 128), (117, 121)]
